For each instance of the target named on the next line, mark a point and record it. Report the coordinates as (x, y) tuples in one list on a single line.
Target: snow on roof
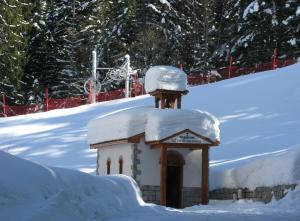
[(156, 123), (164, 123), (166, 78)]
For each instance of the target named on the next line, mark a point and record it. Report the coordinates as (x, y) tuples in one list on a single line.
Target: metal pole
[(94, 76), (127, 94)]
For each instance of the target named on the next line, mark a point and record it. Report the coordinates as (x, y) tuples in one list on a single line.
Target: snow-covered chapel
[(166, 150)]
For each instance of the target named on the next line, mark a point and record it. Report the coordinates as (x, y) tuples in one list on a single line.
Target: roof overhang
[(133, 139), (170, 92), (183, 139)]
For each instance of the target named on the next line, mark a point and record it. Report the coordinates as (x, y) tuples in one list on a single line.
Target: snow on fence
[(193, 80)]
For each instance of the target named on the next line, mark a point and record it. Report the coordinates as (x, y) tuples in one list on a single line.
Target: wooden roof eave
[(133, 139), (162, 91)]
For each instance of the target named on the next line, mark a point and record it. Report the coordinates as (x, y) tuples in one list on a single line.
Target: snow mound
[(165, 78), (279, 167), (29, 191), (156, 123)]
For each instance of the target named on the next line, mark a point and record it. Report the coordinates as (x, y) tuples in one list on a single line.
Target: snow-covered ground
[(31, 192), (260, 128)]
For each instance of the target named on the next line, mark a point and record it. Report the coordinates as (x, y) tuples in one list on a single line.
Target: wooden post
[(204, 176), (46, 99), (275, 59), (172, 102), (230, 65), (135, 86), (156, 102), (90, 93), (163, 175), (4, 105), (179, 102), (163, 102)]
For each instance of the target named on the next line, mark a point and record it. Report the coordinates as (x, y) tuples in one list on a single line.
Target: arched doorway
[(174, 179)]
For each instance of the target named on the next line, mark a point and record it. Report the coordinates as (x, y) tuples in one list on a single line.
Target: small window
[(108, 163), (120, 165)]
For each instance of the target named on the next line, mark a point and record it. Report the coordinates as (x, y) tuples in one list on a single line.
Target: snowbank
[(156, 123), (166, 78), (29, 191), (280, 167)]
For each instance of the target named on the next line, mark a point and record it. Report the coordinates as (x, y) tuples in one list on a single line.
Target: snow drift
[(29, 191)]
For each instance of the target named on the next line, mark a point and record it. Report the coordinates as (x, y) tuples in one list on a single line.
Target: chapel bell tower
[(167, 84)]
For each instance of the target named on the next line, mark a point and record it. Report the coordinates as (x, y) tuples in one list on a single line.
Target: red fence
[(234, 71), (57, 103)]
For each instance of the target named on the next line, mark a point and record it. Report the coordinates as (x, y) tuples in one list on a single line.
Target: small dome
[(165, 78)]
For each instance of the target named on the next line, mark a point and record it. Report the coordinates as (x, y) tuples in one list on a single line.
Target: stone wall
[(135, 166), (191, 195), (263, 194), (151, 194)]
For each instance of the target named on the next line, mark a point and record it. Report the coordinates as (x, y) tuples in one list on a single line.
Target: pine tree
[(13, 43), (290, 36)]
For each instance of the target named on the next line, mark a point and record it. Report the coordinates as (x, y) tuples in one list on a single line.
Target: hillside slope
[(259, 117)]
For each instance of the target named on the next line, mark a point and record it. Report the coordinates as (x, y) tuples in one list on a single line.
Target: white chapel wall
[(114, 153), (150, 167)]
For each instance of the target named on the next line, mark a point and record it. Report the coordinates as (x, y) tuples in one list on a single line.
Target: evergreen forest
[(49, 43)]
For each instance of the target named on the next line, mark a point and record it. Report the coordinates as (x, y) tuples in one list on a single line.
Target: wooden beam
[(163, 103), (163, 175), (172, 103), (161, 91), (204, 176), (179, 102), (156, 102), (179, 145), (134, 139), (209, 141)]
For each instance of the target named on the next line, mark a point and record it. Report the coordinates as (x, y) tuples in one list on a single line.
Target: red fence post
[(230, 65), (90, 93), (4, 105), (46, 99), (275, 58), (134, 85)]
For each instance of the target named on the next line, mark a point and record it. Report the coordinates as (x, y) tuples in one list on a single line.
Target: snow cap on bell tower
[(167, 84)]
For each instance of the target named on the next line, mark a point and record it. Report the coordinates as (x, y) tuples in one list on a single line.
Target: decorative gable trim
[(186, 138), (197, 139)]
